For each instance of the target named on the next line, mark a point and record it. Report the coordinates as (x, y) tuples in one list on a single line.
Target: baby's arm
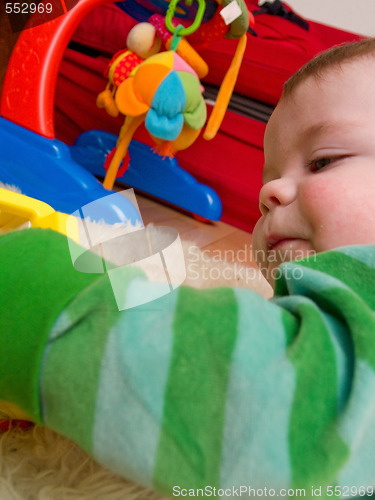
[(215, 388)]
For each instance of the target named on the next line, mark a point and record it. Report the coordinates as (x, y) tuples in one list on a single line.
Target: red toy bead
[(6, 425)]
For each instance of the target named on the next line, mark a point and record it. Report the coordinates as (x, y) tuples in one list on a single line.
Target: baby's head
[(319, 173)]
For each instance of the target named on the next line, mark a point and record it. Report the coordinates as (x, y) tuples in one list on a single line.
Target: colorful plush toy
[(165, 93), (163, 90), (142, 42)]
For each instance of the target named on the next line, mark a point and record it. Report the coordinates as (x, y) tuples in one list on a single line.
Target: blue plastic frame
[(44, 169), (61, 175), (160, 177)]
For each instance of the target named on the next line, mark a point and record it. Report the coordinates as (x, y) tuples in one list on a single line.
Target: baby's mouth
[(277, 240), (285, 249), (274, 244)]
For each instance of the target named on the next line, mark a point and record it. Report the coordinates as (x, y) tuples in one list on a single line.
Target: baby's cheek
[(319, 199), (259, 253), (255, 239), (333, 211)]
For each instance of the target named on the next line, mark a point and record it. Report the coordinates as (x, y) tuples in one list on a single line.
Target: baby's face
[(319, 176)]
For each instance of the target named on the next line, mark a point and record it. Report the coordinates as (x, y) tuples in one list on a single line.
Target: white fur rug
[(37, 464)]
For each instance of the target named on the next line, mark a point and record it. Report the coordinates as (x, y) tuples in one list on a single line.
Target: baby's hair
[(330, 58)]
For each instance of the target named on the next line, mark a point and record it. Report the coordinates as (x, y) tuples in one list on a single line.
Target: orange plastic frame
[(28, 93)]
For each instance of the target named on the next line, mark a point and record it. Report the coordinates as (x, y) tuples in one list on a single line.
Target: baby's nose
[(276, 192)]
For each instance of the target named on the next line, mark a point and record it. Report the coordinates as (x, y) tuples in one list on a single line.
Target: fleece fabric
[(203, 389)]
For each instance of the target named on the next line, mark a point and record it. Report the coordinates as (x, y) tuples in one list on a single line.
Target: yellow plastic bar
[(16, 209), (12, 411)]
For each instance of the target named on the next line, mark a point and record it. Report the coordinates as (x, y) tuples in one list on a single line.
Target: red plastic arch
[(29, 86)]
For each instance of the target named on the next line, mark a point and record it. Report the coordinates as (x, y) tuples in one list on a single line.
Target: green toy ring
[(193, 27)]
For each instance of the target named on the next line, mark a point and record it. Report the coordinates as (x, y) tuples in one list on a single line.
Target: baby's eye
[(320, 163)]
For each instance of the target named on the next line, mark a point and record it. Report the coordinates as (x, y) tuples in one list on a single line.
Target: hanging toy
[(165, 94), (225, 91), (234, 17), (184, 49), (141, 42), (163, 90), (231, 20)]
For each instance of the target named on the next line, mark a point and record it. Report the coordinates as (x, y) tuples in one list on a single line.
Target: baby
[(319, 147), (220, 392)]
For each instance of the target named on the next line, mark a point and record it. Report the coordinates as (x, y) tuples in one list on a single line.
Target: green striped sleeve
[(72, 363), (37, 282), (205, 331), (215, 388)]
